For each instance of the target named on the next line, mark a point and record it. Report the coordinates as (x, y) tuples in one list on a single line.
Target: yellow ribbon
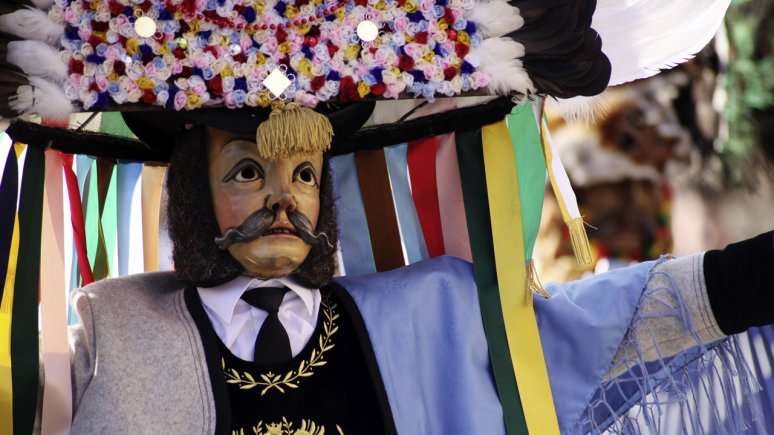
[(6, 309), (520, 322), (152, 179)]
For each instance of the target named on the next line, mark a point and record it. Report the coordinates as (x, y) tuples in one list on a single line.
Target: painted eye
[(307, 176), (246, 171), (247, 174)]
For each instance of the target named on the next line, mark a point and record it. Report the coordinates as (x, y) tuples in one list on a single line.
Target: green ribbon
[(112, 123), (24, 329), (531, 170), (471, 161)]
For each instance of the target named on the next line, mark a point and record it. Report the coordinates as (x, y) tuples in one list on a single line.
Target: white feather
[(642, 37), (31, 23), (43, 4), (38, 59), (579, 109), (43, 98), (500, 60), (494, 17)]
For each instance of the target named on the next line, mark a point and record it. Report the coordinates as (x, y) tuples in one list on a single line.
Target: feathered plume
[(31, 23), (495, 17), (37, 59), (643, 37), (563, 55), (43, 98), (499, 58)]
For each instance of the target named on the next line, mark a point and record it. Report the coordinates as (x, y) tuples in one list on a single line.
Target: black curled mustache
[(261, 220)]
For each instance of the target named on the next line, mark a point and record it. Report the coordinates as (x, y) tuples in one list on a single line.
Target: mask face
[(243, 182)]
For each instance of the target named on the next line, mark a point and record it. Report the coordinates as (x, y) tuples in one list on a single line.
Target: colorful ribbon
[(450, 203), (129, 248), (354, 238), (520, 322), (24, 331), (152, 180), (106, 218), (379, 209), (9, 185), (57, 391), (568, 204), (471, 163), (422, 173), (410, 229), (531, 169), (78, 224)]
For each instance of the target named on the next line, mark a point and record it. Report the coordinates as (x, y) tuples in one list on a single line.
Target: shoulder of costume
[(152, 283), (421, 274)]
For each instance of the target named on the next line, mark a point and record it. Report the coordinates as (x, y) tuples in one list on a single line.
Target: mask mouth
[(280, 230)]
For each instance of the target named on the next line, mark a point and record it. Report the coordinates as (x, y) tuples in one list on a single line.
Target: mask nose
[(283, 201)]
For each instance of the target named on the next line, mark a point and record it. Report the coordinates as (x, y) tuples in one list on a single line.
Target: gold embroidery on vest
[(308, 427), (269, 380)]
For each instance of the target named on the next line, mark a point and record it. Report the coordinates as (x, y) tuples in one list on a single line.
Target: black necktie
[(272, 344)]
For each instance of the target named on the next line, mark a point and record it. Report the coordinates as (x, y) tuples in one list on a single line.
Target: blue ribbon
[(410, 229), (128, 174), (354, 238)]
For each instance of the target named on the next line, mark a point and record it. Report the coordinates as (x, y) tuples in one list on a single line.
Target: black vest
[(330, 384)]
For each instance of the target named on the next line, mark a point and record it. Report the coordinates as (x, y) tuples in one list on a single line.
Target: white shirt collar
[(222, 299)]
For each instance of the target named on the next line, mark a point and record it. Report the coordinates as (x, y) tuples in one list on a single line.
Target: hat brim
[(159, 129)]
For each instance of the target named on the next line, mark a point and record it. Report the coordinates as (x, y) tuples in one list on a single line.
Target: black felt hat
[(159, 130)]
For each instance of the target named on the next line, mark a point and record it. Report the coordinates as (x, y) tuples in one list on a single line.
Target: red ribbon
[(76, 213), (422, 171)]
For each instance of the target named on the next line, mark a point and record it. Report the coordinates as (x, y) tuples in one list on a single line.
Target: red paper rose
[(99, 26), (317, 83), (76, 66), (115, 7), (348, 89), (421, 37), (449, 73), (119, 67), (461, 49), (281, 35), (216, 86), (378, 89), (149, 97), (332, 49), (405, 62)]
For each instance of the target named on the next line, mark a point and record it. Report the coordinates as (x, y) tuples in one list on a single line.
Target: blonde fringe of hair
[(292, 130)]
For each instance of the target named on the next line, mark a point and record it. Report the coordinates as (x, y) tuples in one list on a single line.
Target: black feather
[(563, 54)]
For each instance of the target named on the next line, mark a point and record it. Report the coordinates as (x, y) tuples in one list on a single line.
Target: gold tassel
[(533, 284), (580, 241), (293, 130)]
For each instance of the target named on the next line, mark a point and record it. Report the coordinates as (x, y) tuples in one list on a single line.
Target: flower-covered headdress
[(85, 55)]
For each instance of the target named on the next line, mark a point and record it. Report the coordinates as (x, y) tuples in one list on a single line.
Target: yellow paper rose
[(363, 89), (145, 83), (194, 102)]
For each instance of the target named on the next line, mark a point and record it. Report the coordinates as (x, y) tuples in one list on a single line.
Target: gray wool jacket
[(131, 322)]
